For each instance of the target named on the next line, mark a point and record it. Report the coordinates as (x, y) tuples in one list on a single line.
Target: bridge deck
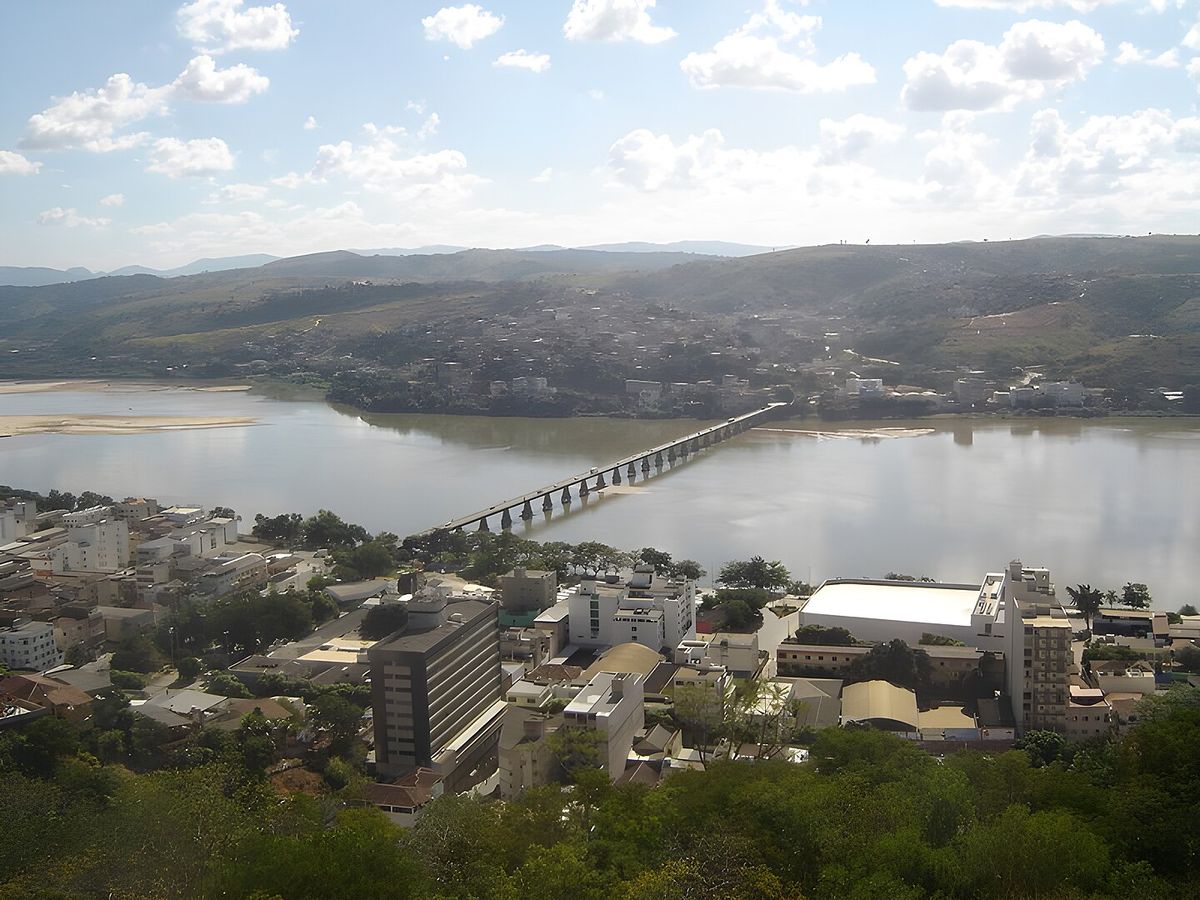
[(520, 501)]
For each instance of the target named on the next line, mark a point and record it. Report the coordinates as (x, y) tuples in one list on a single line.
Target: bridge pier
[(630, 471), (483, 525), (658, 460), (683, 449), (566, 496), (547, 503), (600, 482), (583, 488), (645, 465), (670, 454), (527, 511), (506, 519), (616, 475)]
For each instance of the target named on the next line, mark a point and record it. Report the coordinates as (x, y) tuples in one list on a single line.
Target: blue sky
[(141, 131)]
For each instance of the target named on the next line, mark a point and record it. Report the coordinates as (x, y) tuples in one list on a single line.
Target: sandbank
[(97, 384), (15, 426)]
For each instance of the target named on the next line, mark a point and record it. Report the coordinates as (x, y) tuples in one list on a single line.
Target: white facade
[(649, 610), (865, 387), (612, 705), (96, 542), (29, 645)]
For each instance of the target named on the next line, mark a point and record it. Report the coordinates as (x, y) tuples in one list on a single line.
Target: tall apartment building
[(649, 609), (96, 542), (1038, 655), (436, 687)]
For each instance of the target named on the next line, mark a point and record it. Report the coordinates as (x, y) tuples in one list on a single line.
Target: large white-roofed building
[(885, 610)]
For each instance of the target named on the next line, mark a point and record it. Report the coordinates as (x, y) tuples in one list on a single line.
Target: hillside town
[(497, 685)]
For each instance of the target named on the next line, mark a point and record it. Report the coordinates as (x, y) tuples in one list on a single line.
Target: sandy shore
[(95, 384), (14, 426)]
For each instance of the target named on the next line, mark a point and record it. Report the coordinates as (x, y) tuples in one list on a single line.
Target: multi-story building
[(96, 542), (436, 687), (526, 758), (650, 610), (29, 645), (528, 590), (610, 704), (1039, 654)]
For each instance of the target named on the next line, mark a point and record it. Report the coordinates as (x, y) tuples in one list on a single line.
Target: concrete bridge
[(600, 477)]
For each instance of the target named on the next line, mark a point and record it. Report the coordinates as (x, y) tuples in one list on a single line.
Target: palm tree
[(1087, 600)]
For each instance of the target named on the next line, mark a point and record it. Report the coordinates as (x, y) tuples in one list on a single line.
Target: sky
[(155, 133)]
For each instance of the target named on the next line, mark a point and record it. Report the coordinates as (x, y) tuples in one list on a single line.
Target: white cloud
[(654, 162), (543, 176), (69, 218), (463, 26), (1128, 54), (310, 123), (89, 119), (1031, 57), (13, 163), (113, 200), (1021, 6), (1122, 159), (772, 51), (429, 127), (203, 81), (238, 193), (1191, 40), (614, 20), (596, 94), (849, 138), (223, 25), (521, 59), (200, 157), (381, 166)]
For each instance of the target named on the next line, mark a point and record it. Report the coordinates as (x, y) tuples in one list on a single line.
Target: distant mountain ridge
[(39, 276)]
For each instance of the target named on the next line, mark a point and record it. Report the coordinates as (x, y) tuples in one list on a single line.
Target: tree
[(700, 711), (690, 569), (929, 639), (327, 530), (189, 667), (369, 560), (339, 717), (1187, 658), (576, 749), (1135, 595), (382, 620), (660, 559), (738, 615), (1188, 610), (228, 686), (754, 573), (830, 637), (895, 662), (1087, 600), (281, 529), (137, 654), (1043, 747), (223, 512)]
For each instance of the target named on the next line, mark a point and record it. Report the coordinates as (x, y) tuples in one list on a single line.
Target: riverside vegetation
[(869, 816)]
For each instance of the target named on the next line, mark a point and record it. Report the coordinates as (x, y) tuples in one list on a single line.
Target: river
[(1102, 501)]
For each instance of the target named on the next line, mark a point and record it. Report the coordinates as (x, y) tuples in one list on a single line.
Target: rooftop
[(897, 601), (880, 702)]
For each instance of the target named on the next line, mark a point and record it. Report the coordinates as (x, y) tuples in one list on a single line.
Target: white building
[(17, 518), (885, 610), (29, 645), (649, 610), (96, 542), (1063, 393), (864, 387), (612, 705)]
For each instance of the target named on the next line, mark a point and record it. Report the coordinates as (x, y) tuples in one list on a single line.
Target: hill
[(1114, 311)]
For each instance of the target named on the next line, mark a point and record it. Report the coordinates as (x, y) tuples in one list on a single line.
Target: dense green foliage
[(870, 816), (755, 572), (831, 637)]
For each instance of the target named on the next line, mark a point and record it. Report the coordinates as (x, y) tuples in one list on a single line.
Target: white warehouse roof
[(895, 601)]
